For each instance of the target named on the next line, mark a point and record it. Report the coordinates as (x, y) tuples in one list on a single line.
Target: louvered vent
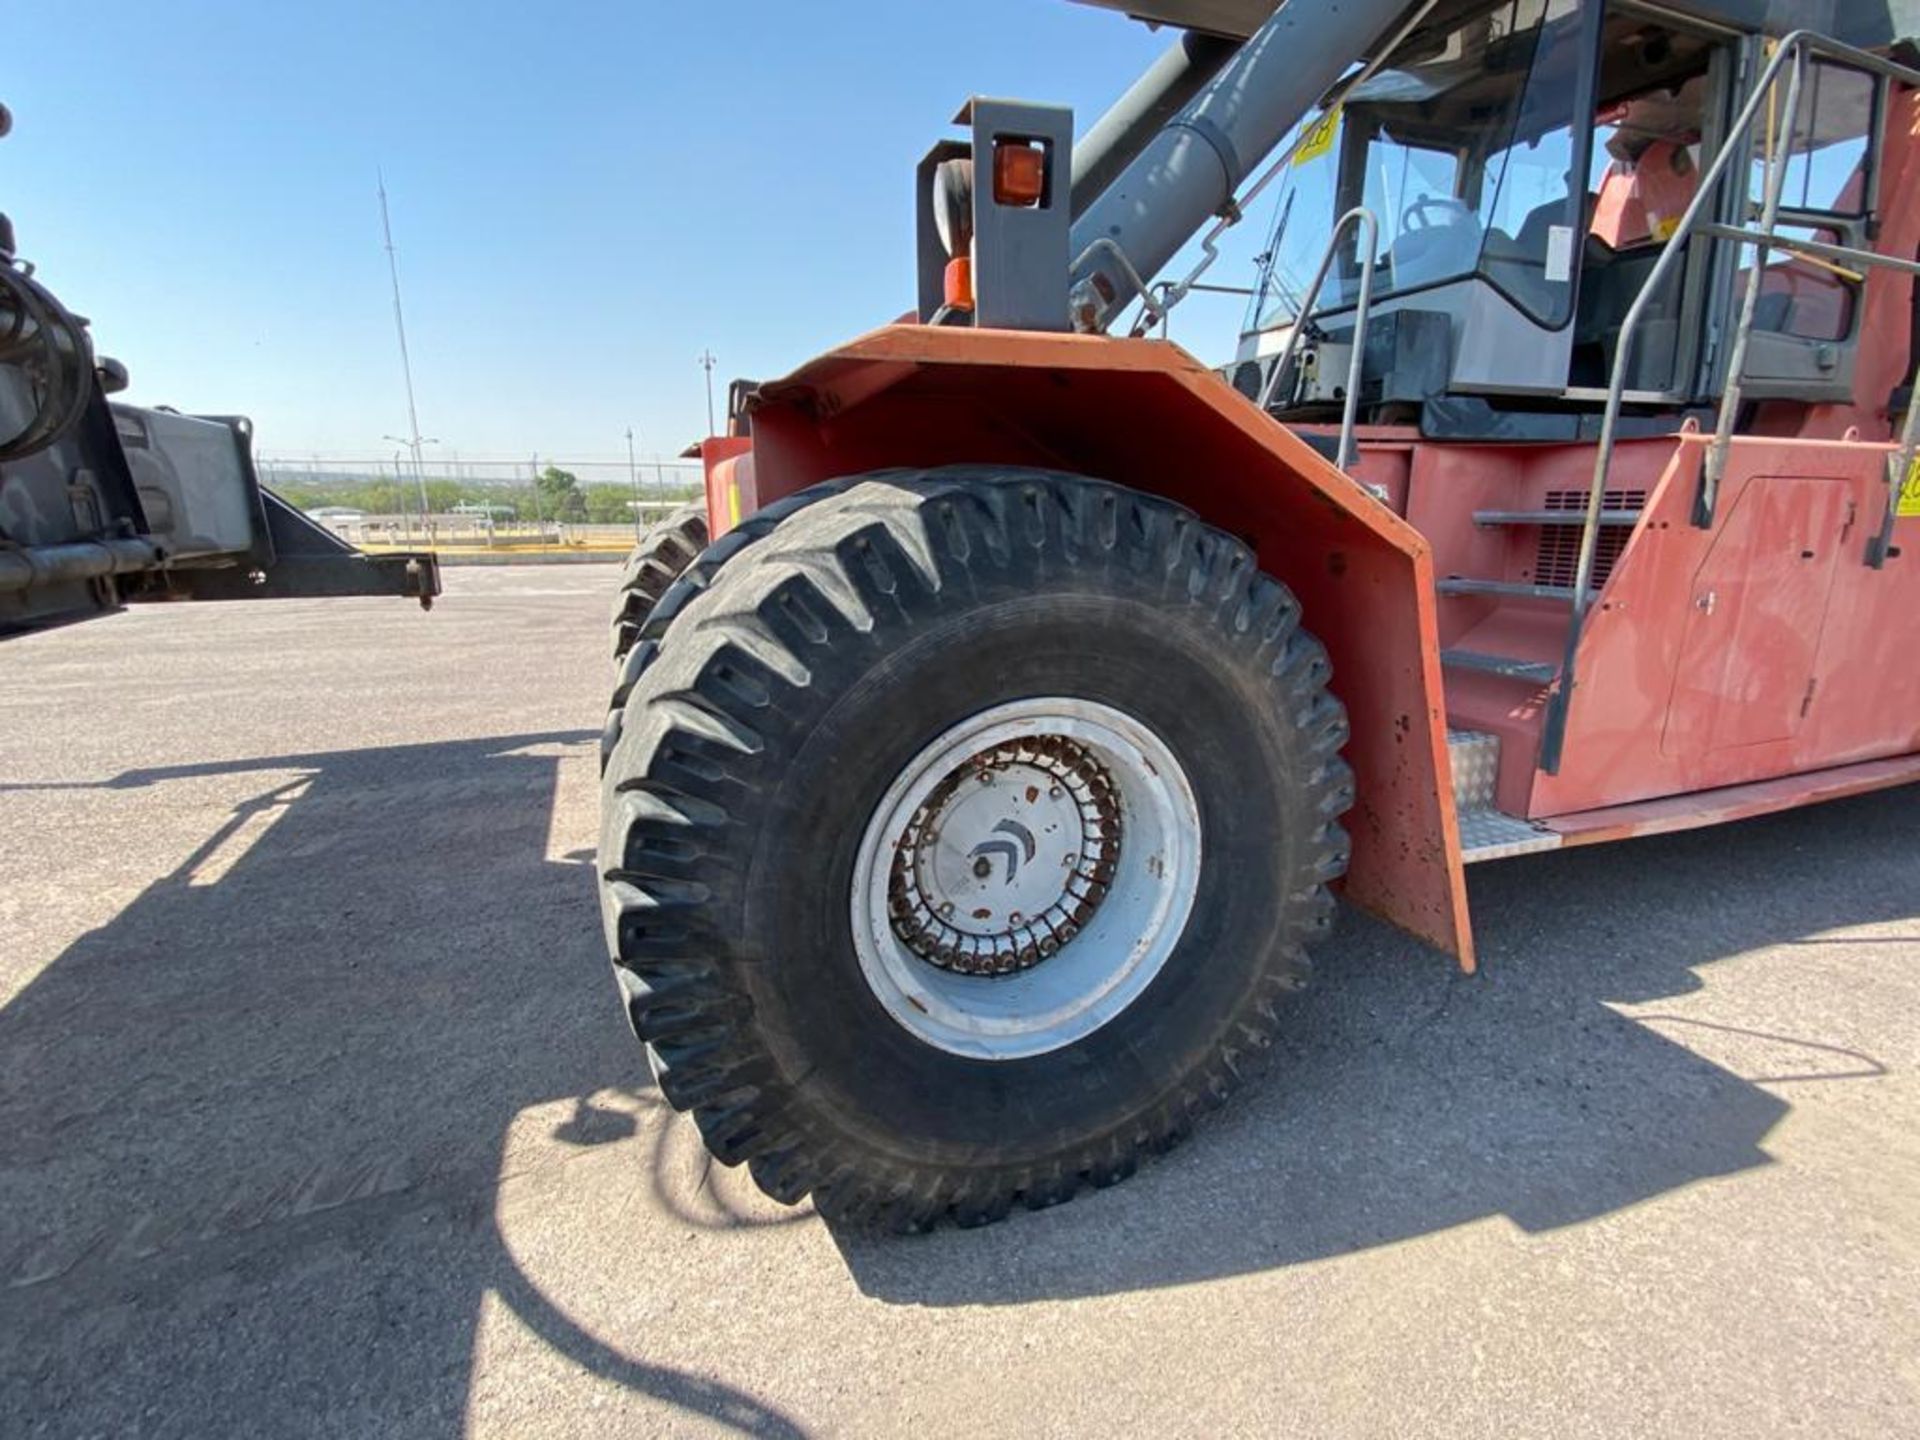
[(1559, 553)]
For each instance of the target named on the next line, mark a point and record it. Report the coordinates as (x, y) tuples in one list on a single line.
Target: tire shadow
[(1404, 1098)]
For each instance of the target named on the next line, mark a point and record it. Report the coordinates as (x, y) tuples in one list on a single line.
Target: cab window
[(1802, 294)]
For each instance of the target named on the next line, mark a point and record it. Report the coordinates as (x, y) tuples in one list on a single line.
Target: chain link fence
[(454, 503)]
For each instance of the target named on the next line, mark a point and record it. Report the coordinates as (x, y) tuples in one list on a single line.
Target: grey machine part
[(1194, 164), (103, 503), (1119, 136), (1018, 252)]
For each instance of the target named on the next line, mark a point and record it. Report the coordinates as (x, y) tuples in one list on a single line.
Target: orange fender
[(1146, 414)]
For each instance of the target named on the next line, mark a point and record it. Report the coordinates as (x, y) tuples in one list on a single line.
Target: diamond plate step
[(1487, 833)]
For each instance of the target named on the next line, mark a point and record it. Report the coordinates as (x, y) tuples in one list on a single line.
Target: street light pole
[(419, 468), (399, 470), (707, 361), (633, 479)]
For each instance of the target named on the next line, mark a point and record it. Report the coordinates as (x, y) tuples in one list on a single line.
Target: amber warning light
[(1019, 173)]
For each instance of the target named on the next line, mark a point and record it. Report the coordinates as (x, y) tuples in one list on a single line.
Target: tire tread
[(726, 641)]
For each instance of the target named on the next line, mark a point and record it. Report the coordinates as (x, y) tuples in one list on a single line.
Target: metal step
[(1511, 589), (1505, 666), (1554, 517), (1487, 833)]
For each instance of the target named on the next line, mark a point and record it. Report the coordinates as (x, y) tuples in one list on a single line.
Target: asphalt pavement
[(318, 1115)]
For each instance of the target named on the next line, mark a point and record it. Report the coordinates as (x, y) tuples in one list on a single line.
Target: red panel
[(1734, 802), (1146, 414), (728, 460), (1865, 701), (1753, 620)]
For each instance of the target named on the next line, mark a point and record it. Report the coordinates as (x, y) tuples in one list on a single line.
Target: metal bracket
[(1020, 251)]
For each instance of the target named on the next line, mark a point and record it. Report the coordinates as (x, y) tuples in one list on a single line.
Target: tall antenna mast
[(414, 442)]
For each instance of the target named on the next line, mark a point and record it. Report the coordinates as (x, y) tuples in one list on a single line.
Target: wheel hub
[(997, 909), (1007, 859)]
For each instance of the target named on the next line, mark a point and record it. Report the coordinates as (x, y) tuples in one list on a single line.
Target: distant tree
[(560, 495), (607, 504), (443, 495)]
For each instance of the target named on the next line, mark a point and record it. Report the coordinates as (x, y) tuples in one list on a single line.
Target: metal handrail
[(1795, 48), (1361, 216)]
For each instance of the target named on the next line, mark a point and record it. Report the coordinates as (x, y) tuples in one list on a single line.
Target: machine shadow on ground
[(1405, 1098), (253, 1129)]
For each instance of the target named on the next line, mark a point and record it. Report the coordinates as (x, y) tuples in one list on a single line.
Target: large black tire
[(668, 547), (792, 686)]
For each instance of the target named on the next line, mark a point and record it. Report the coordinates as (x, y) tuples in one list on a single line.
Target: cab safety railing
[(1369, 232), (1791, 56)]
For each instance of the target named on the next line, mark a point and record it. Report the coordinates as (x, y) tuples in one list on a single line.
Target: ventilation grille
[(1559, 554)]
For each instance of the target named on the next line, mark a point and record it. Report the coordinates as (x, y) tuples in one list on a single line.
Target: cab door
[(1807, 320)]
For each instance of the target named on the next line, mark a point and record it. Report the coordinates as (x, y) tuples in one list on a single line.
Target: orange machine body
[(1747, 666), (1723, 672)]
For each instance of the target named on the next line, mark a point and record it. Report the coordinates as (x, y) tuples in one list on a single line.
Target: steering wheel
[(1452, 212)]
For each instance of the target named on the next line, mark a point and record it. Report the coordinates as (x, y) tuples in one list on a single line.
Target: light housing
[(1019, 173)]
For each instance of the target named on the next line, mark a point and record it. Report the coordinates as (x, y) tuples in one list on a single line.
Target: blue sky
[(584, 195)]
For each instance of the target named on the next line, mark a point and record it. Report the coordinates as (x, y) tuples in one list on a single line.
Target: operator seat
[(1436, 251), (1642, 198)]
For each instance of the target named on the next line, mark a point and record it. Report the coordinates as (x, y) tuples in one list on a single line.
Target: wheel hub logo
[(1014, 852)]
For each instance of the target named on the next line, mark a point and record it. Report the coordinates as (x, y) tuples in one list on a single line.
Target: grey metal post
[(1900, 465), (1191, 169), (1369, 227), (1707, 501), (707, 361), (633, 482)]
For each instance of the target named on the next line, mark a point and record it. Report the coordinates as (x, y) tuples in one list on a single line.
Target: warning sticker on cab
[(1319, 137), (1909, 506)]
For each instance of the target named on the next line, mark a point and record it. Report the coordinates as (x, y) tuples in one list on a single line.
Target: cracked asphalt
[(318, 1116)]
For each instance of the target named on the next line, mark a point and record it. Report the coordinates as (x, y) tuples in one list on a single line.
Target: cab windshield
[(1463, 146)]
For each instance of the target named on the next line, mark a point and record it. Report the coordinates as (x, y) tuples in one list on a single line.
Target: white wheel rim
[(1072, 867)]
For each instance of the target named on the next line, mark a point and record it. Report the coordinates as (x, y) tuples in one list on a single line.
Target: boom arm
[(1192, 168)]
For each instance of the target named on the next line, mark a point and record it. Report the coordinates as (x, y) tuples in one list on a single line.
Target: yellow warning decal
[(1909, 506), (1319, 137)]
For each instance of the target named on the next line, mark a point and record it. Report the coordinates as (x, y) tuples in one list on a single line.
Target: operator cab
[(1527, 163)]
